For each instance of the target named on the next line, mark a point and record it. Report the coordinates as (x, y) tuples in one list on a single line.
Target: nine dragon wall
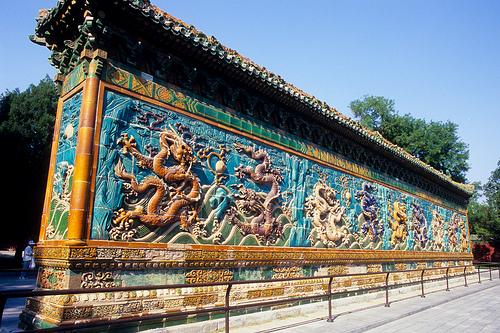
[(163, 177)]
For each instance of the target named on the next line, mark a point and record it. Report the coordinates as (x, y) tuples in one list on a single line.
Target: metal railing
[(490, 267), (4, 295)]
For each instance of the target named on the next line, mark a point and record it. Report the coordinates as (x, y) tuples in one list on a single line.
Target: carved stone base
[(103, 266)]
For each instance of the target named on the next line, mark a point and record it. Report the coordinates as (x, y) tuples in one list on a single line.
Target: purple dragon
[(368, 218), (419, 225)]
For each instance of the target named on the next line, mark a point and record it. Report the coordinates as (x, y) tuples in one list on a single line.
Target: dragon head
[(180, 150)]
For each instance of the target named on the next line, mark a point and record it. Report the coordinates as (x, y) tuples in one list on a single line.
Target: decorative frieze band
[(98, 257)]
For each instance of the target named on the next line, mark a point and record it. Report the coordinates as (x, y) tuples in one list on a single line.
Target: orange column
[(80, 194)]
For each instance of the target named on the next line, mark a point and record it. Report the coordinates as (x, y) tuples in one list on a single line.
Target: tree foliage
[(436, 143), (484, 216), (26, 130)]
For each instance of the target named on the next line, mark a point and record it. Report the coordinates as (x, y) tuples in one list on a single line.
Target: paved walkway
[(14, 306), (472, 309)]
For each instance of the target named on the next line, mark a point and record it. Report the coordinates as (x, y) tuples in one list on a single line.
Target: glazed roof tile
[(211, 45)]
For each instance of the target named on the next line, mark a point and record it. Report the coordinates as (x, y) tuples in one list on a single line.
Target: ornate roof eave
[(231, 61)]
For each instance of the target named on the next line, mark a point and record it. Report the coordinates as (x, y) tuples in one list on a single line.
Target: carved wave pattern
[(57, 224)]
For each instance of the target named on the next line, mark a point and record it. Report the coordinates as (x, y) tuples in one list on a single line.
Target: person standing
[(27, 259)]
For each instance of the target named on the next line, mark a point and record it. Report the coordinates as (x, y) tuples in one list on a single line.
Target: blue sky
[(437, 59)]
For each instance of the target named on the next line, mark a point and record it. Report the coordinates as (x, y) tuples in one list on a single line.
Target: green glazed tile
[(223, 118), (210, 113), (255, 129), (236, 122), (246, 126)]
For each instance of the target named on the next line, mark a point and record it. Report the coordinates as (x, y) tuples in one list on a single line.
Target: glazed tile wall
[(63, 172), (165, 177), (164, 93)]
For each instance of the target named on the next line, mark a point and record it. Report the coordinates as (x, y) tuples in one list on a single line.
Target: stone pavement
[(14, 306), (472, 309)]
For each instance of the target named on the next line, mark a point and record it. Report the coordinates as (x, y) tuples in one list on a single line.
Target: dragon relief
[(171, 195), (457, 235), (368, 219), (397, 221), (326, 215), (254, 212), (419, 225), (464, 240), (437, 231)]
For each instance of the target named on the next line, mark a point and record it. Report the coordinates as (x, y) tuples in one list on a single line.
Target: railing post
[(226, 306), (489, 266), (447, 283), (465, 277), (387, 290), (422, 283), (479, 273), (330, 316), (3, 300)]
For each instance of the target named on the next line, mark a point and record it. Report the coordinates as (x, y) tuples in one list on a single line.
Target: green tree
[(373, 111), (436, 143), (26, 129), (484, 216), (492, 189)]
